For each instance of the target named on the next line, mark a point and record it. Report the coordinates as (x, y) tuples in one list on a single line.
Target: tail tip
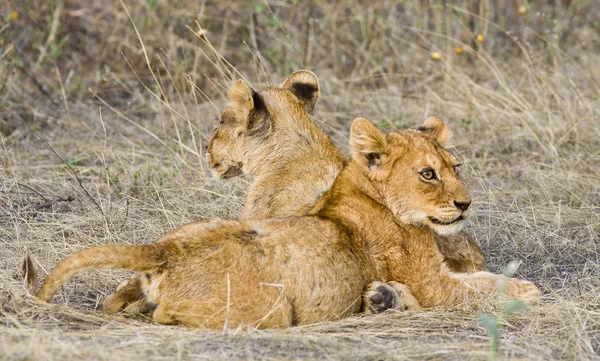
[(28, 273)]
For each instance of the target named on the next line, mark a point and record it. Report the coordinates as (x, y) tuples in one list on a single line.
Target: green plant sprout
[(493, 324)]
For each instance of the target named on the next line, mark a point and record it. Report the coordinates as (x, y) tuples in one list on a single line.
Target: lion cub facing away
[(281, 272), (294, 162)]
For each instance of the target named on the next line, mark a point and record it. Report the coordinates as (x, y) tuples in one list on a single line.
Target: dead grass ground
[(525, 112)]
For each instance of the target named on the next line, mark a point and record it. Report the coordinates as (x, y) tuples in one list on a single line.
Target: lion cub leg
[(213, 313), (191, 313), (129, 298), (379, 297), (486, 283)]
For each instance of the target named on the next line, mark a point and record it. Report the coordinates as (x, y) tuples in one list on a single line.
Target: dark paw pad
[(382, 300)]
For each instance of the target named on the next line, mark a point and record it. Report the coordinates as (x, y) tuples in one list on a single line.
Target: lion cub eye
[(428, 174)]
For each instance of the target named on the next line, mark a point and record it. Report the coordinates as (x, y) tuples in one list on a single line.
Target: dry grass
[(525, 112)]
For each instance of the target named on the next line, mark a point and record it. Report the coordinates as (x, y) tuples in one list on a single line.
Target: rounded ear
[(250, 111), (305, 86), (240, 95), (369, 146), (437, 129)]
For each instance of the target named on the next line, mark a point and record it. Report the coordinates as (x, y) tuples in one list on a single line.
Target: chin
[(447, 230)]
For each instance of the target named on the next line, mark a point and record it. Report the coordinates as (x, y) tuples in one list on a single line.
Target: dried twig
[(62, 159)]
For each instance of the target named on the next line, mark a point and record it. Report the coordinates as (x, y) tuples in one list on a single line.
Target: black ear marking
[(304, 91), (259, 104), (423, 129), (259, 121), (372, 158)]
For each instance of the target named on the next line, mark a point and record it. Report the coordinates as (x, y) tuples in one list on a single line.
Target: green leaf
[(490, 325), (513, 307), (385, 125), (258, 7)]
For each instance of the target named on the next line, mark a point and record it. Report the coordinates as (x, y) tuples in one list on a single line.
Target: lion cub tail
[(28, 273), (133, 258)]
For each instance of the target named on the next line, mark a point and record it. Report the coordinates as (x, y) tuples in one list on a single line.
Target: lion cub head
[(245, 126), (413, 173)]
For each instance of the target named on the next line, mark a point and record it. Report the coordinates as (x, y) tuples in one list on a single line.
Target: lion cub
[(377, 222), (294, 162)]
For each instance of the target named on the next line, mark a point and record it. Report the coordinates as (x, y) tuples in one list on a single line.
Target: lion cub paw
[(119, 303), (522, 290), (379, 297), (129, 298)]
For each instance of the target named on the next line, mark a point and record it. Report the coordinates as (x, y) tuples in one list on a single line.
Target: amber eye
[(428, 174)]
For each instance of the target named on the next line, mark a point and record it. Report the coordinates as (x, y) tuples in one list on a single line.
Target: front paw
[(522, 290), (379, 297)]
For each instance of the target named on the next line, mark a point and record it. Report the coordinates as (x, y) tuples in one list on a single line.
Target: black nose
[(463, 206), (206, 147)]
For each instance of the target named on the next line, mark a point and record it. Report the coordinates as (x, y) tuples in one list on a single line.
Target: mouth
[(438, 222), (231, 172)]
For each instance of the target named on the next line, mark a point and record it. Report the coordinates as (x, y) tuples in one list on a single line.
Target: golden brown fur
[(270, 135), (294, 162), (377, 222)]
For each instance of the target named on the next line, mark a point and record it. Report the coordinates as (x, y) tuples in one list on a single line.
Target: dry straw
[(131, 121)]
